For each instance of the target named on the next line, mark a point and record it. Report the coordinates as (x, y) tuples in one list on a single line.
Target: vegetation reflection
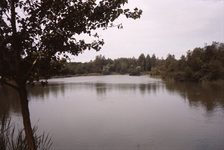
[(207, 95)]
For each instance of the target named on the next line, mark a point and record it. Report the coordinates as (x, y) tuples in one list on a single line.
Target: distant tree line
[(108, 66), (201, 64)]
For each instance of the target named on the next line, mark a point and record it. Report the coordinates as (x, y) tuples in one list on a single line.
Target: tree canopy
[(38, 30), (200, 64), (34, 32)]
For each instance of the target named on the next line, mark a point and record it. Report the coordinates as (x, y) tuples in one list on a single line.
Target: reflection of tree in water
[(9, 98), (154, 87), (9, 101), (143, 88), (125, 87), (101, 89), (207, 95), (41, 93)]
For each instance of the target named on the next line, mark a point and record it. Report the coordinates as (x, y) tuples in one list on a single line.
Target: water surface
[(124, 112)]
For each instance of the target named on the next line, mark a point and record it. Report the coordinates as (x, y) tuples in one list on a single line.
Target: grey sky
[(168, 26)]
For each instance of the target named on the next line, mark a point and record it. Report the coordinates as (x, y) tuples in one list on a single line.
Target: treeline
[(108, 66), (201, 64)]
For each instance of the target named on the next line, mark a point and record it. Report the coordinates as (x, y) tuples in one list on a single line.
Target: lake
[(121, 112)]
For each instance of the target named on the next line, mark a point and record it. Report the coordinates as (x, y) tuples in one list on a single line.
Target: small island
[(136, 71)]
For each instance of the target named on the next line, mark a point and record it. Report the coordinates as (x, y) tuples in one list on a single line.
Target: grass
[(12, 140)]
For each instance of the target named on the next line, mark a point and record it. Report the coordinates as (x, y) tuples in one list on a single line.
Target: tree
[(141, 61), (124, 66), (194, 60), (99, 62), (136, 71), (170, 59), (181, 63), (33, 32), (153, 60), (148, 63), (106, 70), (210, 52), (215, 70)]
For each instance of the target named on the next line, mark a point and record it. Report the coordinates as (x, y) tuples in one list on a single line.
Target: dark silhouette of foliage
[(136, 71), (142, 62), (34, 32), (201, 64), (148, 64)]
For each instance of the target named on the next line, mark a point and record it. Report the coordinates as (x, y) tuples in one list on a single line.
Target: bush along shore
[(204, 64)]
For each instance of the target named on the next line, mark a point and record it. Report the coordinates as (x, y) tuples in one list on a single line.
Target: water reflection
[(122, 112), (101, 88), (209, 96), (9, 101), (39, 92)]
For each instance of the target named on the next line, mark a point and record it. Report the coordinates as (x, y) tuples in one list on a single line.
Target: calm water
[(124, 112)]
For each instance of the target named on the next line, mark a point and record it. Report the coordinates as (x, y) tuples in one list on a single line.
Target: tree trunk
[(21, 80), (26, 118)]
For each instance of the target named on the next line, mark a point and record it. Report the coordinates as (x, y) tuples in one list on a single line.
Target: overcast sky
[(166, 26)]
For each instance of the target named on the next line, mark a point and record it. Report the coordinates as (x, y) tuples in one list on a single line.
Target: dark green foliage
[(196, 66), (103, 65), (188, 72), (215, 70), (106, 70), (179, 76), (148, 64), (153, 61), (155, 72), (201, 64), (136, 71), (142, 62), (182, 63), (34, 32), (49, 28)]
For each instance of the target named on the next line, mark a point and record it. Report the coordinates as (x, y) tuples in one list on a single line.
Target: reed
[(10, 140)]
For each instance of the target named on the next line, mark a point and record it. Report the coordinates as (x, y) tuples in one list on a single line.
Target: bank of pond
[(178, 77), (199, 65)]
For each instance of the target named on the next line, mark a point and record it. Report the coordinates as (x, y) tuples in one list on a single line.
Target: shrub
[(179, 76)]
